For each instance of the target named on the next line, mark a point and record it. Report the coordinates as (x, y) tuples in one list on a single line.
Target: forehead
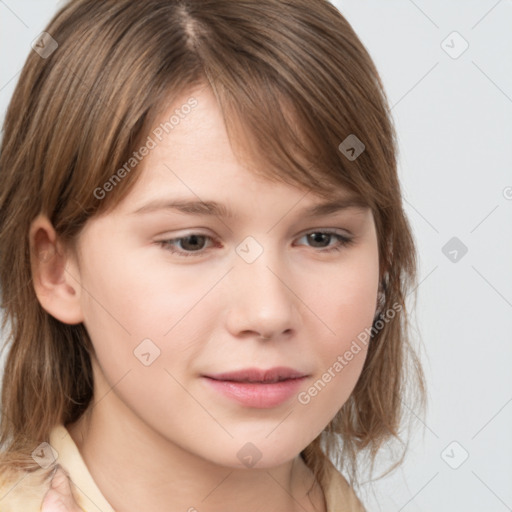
[(193, 159)]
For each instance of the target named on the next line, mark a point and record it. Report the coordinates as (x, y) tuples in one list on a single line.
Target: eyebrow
[(212, 208)]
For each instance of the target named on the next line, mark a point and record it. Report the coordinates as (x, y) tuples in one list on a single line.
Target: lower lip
[(261, 396)]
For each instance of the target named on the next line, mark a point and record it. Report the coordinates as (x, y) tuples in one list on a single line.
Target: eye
[(190, 245), (323, 239)]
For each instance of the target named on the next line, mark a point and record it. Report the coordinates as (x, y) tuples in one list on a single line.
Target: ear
[(55, 273)]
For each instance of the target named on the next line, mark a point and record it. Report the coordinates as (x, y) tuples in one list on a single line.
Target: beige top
[(26, 492)]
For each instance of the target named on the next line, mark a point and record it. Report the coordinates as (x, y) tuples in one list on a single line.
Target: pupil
[(319, 237), (192, 242)]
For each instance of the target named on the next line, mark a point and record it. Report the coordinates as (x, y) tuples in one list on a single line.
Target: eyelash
[(343, 241)]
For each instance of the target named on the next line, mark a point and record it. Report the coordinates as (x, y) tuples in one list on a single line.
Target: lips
[(257, 388)]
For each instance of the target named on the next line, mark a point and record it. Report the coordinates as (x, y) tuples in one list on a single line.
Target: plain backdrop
[(447, 70)]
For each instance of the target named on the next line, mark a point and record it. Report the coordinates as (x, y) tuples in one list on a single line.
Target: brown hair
[(294, 75)]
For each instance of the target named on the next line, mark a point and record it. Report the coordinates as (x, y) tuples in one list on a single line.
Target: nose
[(262, 302)]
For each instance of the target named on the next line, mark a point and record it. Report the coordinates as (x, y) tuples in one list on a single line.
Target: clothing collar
[(89, 497)]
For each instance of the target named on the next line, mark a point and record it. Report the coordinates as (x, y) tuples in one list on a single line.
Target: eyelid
[(337, 231)]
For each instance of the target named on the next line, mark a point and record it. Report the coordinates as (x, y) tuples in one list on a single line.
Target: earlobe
[(55, 274)]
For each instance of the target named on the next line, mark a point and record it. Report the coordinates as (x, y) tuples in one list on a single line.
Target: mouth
[(257, 388), (258, 376)]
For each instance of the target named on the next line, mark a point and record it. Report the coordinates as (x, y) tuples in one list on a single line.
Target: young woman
[(204, 261)]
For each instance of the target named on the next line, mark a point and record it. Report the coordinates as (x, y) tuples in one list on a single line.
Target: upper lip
[(269, 375)]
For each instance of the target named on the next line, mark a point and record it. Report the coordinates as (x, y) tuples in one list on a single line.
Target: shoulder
[(339, 495), (22, 490)]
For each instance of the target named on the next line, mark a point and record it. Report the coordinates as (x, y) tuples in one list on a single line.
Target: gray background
[(453, 113)]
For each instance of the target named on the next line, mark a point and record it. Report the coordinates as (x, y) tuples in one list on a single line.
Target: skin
[(162, 427), (59, 497)]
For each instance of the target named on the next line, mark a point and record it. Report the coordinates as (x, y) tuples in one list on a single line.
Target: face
[(230, 321)]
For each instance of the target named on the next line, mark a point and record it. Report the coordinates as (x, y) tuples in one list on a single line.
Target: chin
[(259, 455)]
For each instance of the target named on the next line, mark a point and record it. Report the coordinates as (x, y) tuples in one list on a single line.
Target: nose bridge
[(261, 301)]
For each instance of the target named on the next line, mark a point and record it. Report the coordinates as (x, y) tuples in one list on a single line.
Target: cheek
[(144, 330), (346, 301), (120, 290), (128, 300), (347, 305)]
